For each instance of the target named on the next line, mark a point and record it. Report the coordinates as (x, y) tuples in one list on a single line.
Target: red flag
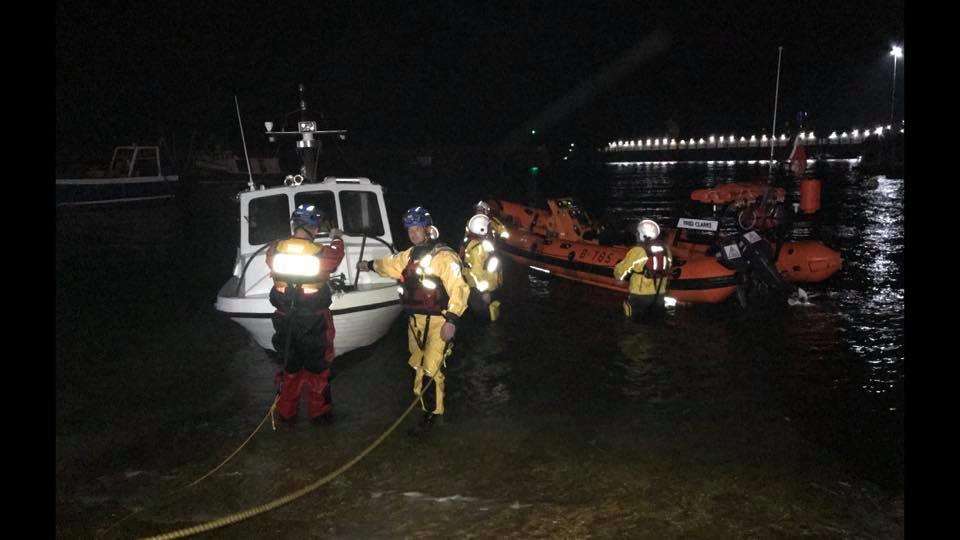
[(798, 157)]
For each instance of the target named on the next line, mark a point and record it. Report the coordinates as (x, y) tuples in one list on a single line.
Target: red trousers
[(317, 390), (310, 353)]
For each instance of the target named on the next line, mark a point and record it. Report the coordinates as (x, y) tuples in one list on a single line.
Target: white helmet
[(647, 230), (479, 225)]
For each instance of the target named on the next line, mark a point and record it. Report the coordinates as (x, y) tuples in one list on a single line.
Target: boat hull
[(360, 317), (113, 191), (698, 280)]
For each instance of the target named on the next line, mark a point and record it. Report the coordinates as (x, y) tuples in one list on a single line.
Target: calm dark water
[(564, 419)]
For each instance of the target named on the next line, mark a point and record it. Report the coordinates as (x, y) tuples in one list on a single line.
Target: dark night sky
[(469, 72)]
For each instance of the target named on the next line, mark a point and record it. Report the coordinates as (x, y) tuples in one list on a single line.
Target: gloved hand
[(362, 266), (447, 331), (336, 233)]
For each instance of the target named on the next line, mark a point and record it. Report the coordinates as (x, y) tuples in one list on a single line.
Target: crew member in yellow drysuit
[(434, 295), (648, 266), (482, 270)]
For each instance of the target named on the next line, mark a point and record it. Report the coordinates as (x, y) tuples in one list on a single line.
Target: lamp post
[(896, 52)]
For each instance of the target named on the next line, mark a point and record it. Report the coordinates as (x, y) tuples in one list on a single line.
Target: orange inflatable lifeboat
[(561, 240)]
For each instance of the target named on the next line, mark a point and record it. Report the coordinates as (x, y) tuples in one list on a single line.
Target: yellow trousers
[(427, 355)]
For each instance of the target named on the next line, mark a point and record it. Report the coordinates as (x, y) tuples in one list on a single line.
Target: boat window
[(361, 213), (324, 201), (146, 164), (120, 166), (268, 219)]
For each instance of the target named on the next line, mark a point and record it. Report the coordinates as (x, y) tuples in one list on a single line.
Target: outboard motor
[(751, 255), (759, 256)]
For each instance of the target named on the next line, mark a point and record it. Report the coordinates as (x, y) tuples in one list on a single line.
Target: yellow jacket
[(632, 265), (497, 228), (480, 271), (444, 264)]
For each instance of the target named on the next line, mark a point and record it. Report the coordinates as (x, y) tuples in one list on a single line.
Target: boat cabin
[(353, 205)]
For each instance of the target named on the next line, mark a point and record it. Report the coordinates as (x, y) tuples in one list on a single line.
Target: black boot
[(423, 426)]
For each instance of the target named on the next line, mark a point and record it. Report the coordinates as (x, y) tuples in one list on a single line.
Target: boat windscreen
[(268, 219), (322, 200), (361, 213)]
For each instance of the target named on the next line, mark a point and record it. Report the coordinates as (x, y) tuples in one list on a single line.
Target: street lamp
[(896, 52)]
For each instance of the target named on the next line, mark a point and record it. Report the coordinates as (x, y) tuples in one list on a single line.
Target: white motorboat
[(363, 306), (362, 313), (135, 174)]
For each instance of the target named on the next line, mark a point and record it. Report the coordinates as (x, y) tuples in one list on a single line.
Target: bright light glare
[(296, 265)]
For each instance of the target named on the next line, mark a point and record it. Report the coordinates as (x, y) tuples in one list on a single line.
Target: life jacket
[(481, 266), (657, 265), (429, 299), (312, 293)]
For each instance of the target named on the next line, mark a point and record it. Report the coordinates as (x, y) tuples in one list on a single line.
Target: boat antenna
[(244, 139), (776, 98)]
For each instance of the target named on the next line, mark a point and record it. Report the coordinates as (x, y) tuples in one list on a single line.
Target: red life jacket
[(657, 265), (416, 297)]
